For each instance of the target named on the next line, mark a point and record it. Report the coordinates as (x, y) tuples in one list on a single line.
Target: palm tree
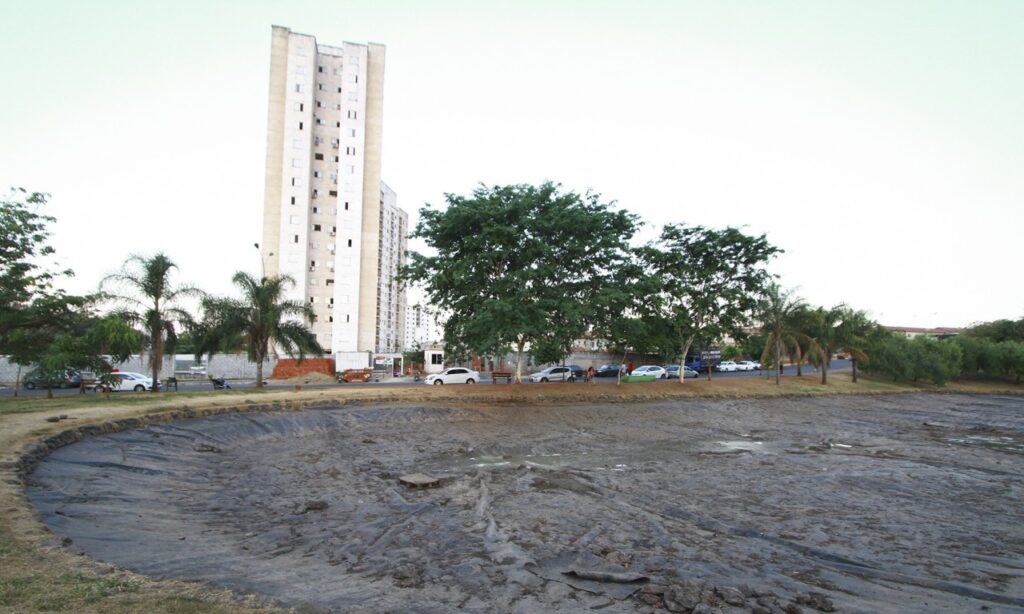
[(826, 332), (152, 302), (853, 336), (261, 318), (779, 314)]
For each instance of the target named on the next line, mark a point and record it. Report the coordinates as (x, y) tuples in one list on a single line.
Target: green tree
[(709, 282), (853, 331), (779, 315), (1012, 358), (262, 318), (521, 266), (149, 299), (999, 330)]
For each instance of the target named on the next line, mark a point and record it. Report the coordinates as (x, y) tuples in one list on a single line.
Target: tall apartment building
[(328, 219)]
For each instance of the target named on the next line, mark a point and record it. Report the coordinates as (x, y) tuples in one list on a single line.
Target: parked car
[(748, 365), (727, 365), (656, 371), (554, 374), (611, 370), (126, 380), (453, 375), (37, 378), (672, 372), (577, 371)]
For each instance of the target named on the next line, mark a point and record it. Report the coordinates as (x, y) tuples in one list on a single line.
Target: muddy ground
[(908, 503)]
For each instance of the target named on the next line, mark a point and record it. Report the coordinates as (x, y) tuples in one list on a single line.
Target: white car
[(453, 375), (727, 365), (748, 365), (127, 380), (553, 374), (656, 371)]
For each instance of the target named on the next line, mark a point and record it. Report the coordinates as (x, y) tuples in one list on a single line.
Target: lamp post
[(263, 264)]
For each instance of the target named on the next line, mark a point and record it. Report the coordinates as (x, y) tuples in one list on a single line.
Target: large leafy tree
[(261, 319), (522, 266), (23, 279), (149, 298), (710, 282)]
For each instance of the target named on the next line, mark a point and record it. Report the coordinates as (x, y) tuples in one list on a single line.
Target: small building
[(433, 360)]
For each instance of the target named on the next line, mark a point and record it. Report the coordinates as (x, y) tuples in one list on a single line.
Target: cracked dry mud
[(910, 503)]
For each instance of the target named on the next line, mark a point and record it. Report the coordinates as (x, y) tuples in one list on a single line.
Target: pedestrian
[(630, 367), (590, 374)]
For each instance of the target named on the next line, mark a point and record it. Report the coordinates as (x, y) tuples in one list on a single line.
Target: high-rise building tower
[(328, 219)]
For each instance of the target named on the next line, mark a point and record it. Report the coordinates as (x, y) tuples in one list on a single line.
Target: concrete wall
[(231, 366)]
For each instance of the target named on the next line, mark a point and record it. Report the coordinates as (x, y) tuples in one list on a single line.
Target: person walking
[(590, 374)]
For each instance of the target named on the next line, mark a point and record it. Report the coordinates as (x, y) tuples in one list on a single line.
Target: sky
[(879, 143)]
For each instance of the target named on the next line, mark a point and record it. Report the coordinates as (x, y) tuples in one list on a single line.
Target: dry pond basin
[(903, 503)]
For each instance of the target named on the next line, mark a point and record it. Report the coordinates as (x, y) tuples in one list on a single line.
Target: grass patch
[(61, 592), (26, 405)]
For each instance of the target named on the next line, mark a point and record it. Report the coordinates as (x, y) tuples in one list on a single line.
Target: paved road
[(201, 385)]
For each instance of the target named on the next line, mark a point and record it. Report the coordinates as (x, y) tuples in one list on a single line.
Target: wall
[(231, 366)]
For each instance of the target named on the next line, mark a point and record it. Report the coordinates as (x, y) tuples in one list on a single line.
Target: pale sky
[(881, 144)]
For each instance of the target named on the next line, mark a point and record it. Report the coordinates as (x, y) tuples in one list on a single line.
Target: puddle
[(996, 442)]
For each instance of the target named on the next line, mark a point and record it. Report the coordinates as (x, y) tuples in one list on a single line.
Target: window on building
[(352, 132), (349, 169), (312, 299), (293, 200), (334, 193), (320, 86), (320, 69), (318, 156), (350, 242), (335, 158), (330, 318), (300, 125), (350, 151), (346, 317), (316, 193), (319, 104), (339, 89), (299, 106), (316, 174), (298, 87), (352, 114), (346, 206), (337, 124), (316, 227), (296, 239), (330, 282)]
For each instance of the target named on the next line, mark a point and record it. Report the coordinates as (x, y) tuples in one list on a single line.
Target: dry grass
[(38, 574)]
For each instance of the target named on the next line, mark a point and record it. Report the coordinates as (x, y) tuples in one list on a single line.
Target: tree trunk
[(17, 381), (853, 362), (259, 372), (682, 362), (778, 362), (799, 361), (519, 362), (156, 357), (49, 391), (824, 366)]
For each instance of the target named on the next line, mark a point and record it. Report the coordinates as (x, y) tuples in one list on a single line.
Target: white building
[(328, 220), (422, 327)]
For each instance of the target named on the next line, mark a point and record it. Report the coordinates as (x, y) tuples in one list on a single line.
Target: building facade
[(324, 204), (422, 328)]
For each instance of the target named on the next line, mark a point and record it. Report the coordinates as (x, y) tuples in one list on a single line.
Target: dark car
[(36, 378), (611, 370), (577, 371)]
